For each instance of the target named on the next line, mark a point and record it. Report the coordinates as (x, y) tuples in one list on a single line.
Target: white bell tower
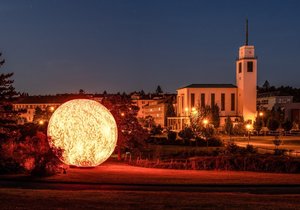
[(246, 81)]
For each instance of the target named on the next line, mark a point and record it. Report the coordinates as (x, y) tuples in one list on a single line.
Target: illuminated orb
[(85, 130)]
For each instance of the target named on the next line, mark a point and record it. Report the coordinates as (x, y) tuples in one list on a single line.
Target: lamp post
[(261, 114), (205, 123), (248, 127)]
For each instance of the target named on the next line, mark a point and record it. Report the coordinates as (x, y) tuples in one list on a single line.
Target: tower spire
[(246, 43)]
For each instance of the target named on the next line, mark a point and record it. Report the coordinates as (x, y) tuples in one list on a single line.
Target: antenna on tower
[(246, 32)]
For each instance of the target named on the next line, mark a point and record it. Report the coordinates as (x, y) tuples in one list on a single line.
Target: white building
[(269, 101), (235, 101)]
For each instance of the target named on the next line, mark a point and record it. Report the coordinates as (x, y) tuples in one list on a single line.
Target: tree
[(186, 133), (147, 122), (273, 124), (7, 93), (142, 93), (215, 115), (266, 85), (131, 135), (158, 90), (81, 91), (287, 125), (228, 126), (258, 124), (170, 112), (38, 115), (156, 130)]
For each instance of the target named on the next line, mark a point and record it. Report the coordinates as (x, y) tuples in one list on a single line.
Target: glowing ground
[(119, 186)]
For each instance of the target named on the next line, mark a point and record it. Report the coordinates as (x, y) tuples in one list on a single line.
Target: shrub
[(172, 136), (215, 142), (186, 133), (32, 155)]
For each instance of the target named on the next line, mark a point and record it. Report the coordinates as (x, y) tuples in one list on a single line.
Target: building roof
[(210, 86), (55, 99)]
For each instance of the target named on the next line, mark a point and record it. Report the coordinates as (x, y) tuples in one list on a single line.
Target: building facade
[(268, 102)]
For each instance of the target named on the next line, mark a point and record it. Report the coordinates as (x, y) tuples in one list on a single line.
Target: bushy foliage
[(172, 136), (186, 133), (29, 153), (239, 129), (232, 148), (287, 125), (273, 124), (131, 135), (156, 129)]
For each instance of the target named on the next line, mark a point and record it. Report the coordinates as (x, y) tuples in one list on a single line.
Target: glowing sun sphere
[(85, 130)]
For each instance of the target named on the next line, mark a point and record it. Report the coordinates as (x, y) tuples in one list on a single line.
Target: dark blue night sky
[(63, 46)]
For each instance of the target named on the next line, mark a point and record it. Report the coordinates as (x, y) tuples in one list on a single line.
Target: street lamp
[(248, 127), (186, 111), (51, 108), (205, 123)]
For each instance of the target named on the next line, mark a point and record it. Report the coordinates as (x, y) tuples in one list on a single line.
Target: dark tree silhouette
[(7, 93), (131, 135), (158, 90)]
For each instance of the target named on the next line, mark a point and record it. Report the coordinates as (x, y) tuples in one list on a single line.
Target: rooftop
[(210, 86)]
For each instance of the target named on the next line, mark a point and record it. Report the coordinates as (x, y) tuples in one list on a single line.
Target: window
[(223, 102), (192, 100), (250, 66), (212, 100), (232, 101), (240, 67), (182, 105), (202, 100)]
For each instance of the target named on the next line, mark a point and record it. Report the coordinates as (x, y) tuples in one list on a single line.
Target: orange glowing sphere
[(85, 130)]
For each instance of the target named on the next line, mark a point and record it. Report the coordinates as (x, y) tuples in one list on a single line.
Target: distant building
[(292, 112), (267, 101), (154, 106), (235, 101), (27, 105)]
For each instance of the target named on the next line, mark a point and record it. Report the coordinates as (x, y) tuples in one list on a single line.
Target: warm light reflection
[(85, 130), (205, 122)]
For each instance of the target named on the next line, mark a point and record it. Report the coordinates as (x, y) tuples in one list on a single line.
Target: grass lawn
[(59, 199), (16, 197)]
